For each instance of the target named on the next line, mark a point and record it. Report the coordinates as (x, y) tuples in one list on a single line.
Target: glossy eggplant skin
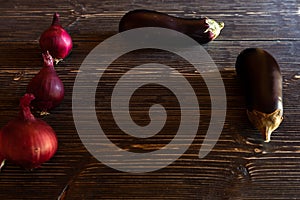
[(202, 30), (261, 79)]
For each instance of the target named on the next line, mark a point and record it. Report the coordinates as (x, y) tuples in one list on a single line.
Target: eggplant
[(202, 30), (261, 79)]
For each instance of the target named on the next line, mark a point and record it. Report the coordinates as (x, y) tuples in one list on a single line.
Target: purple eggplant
[(202, 30), (261, 79)]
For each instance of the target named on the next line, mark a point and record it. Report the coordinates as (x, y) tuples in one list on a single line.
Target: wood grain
[(240, 166)]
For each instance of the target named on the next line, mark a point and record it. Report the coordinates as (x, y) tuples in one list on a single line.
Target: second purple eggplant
[(262, 82)]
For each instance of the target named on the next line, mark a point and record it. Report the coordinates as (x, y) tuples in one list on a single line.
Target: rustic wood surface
[(240, 166)]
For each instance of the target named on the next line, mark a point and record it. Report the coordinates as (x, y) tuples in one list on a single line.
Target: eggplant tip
[(267, 134)]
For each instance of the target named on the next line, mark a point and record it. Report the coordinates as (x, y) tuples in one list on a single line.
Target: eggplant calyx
[(265, 123), (214, 27)]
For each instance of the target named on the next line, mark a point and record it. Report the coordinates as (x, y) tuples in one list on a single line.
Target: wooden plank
[(238, 157), (240, 166), (268, 20)]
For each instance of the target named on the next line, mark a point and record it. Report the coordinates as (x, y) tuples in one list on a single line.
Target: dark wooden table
[(240, 166)]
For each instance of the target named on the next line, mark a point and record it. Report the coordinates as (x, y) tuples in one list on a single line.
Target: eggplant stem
[(267, 134), (214, 27)]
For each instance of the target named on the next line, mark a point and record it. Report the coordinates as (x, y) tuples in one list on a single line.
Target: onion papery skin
[(26, 140), (28, 143), (56, 40), (46, 86)]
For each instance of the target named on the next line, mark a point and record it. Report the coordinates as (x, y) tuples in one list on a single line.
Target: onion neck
[(55, 21), (48, 60), (25, 112)]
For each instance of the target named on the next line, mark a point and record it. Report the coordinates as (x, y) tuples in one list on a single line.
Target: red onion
[(56, 40), (46, 86), (26, 140)]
